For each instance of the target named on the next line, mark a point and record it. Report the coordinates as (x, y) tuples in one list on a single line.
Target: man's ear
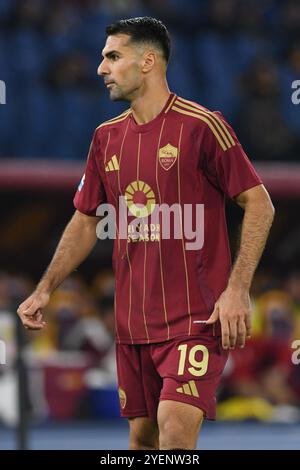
[(149, 61)]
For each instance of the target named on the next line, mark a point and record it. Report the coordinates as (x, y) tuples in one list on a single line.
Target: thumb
[(29, 308), (25, 305), (214, 316)]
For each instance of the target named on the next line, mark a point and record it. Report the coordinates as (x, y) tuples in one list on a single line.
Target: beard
[(116, 94)]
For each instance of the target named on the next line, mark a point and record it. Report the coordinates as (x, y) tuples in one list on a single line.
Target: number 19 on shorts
[(188, 359)]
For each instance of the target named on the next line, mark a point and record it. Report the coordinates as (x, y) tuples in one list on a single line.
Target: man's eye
[(114, 57)]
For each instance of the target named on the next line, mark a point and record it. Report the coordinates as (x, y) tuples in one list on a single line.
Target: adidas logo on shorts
[(189, 389)]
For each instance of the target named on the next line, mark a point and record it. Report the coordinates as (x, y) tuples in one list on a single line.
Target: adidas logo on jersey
[(188, 389), (113, 164)]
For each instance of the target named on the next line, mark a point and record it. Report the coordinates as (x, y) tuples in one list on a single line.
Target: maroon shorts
[(187, 370)]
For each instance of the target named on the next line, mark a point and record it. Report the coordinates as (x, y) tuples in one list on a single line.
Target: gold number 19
[(198, 368)]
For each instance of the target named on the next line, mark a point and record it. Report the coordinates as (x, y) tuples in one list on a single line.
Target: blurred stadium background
[(237, 56)]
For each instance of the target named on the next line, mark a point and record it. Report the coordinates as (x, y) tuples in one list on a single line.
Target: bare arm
[(258, 218), (75, 245), (233, 306)]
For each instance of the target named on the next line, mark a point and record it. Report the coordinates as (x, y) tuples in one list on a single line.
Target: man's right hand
[(30, 311)]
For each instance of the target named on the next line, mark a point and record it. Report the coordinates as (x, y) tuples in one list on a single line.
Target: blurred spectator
[(103, 284), (121, 7), (292, 286), (257, 383), (27, 14), (73, 324), (69, 72), (261, 125), (290, 14), (260, 381), (275, 317), (12, 290), (224, 15)]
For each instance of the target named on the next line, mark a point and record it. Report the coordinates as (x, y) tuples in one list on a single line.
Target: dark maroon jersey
[(187, 156)]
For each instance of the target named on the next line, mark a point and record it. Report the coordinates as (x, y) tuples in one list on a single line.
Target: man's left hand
[(233, 309)]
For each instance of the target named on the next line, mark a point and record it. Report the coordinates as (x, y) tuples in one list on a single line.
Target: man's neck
[(146, 107)]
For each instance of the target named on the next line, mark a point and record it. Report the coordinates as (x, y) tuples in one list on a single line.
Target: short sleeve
[(223, 159), (90, 193)]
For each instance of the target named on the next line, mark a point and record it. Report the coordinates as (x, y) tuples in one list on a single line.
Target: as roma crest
[(167, 156)]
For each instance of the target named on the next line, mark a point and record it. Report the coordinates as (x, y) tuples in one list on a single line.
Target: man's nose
[(102, 69)]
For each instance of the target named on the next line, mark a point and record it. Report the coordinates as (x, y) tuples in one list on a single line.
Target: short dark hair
[(144, 29)]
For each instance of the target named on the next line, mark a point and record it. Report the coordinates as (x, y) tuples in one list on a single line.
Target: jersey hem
[(164, 339)]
